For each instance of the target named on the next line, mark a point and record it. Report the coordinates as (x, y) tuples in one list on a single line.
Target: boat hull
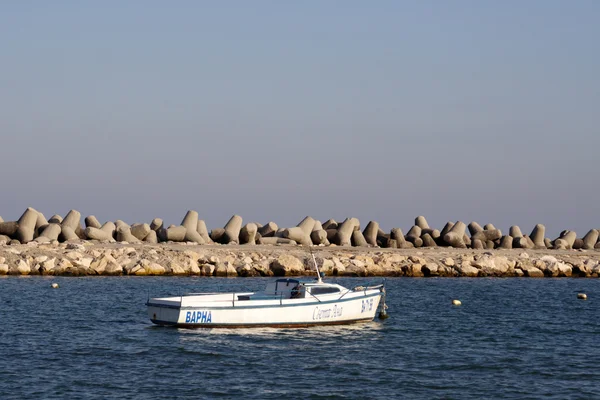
[(196, 312)]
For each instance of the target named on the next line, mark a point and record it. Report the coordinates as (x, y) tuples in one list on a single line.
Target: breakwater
[(66, 246)]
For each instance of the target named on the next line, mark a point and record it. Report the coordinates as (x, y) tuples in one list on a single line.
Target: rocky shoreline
[(86, 258)]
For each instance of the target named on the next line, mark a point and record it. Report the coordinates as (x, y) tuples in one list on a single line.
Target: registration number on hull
[(198, 317)]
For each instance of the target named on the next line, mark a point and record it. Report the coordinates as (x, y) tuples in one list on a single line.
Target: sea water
[(510, 338)]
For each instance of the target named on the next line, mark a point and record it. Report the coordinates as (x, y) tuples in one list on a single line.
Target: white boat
[(286, 302)]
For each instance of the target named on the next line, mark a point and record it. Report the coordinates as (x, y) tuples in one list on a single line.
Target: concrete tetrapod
[(474, 228), (317, 226), (344, 232), (307, 225), (449, 225), (40, 224), (248, 233), (428, 240), (298, 235), (370, 233), (92, 221), (398, 237), (156, 224), (50, 233), (414, 236), (421, 222), (26, 229), (330, 224), (232, 230), (124, 235), (515, 232), (140, 231), (506, 242), (537, 236), (455, 237), (152, 237), (590, 239), (216, 234), (72, 220), (8, 228), (203, 231), (319, 237), (68, 233), (110, 228), (268, 230), (358, 240), (55, 219), (98, 234)]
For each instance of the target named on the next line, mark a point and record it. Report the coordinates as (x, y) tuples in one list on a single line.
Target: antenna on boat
[(315, 263)]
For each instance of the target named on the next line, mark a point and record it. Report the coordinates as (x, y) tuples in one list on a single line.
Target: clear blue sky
[(470, 110)]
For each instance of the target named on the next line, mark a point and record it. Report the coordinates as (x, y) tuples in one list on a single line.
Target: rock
[(531, 271), (3, 269), (370, 233), (455, 237), (467, 270), (537, 236), (92, 221), (430, 269), (493, 265), (21, 268), (590, 239), (268, 230), (449, 262), (248, 233), (232, 230), (225, 269), (287, 265)]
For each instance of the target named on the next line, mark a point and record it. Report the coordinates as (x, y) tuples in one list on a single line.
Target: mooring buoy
[(582, 296), (456, 302), (55, 285)]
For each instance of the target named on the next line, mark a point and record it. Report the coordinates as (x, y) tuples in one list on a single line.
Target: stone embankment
[(88, 259), (64, 246)]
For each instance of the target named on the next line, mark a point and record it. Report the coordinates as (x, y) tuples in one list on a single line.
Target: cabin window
[(324, 290)]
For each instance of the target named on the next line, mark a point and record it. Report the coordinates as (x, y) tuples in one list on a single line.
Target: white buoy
[(55, 285), (582, 296), (456, 302)]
